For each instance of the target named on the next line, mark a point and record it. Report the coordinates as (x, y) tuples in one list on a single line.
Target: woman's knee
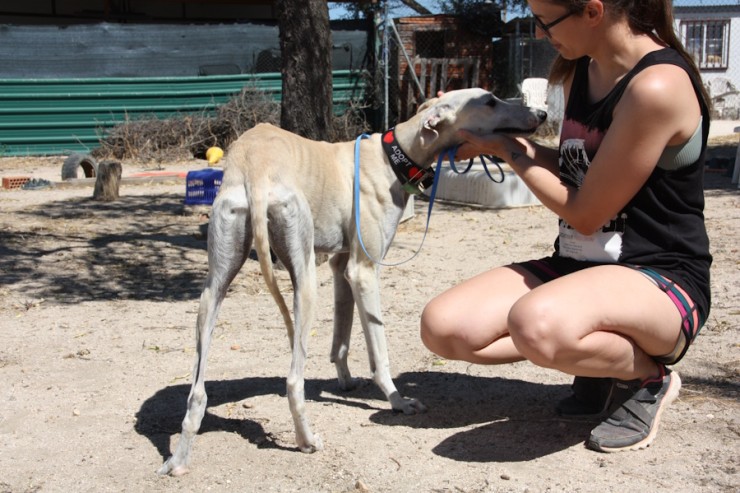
[(435, 331), (536, 332)]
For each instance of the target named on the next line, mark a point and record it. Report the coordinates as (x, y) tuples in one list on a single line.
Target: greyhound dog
[(295, 196)]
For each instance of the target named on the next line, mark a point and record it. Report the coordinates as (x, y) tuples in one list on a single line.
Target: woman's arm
[(535, 164), (659, 108)]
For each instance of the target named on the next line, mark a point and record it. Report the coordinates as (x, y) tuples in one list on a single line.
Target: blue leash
[(447, 153), (452, 151)]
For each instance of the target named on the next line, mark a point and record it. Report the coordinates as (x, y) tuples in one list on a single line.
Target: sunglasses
[(546, 27)]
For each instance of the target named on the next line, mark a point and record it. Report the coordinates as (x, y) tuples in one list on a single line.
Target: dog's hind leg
[(363, 277), (291, 237), (229, 240), (344, 306)]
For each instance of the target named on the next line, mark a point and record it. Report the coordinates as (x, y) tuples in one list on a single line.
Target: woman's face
[(556, 23)]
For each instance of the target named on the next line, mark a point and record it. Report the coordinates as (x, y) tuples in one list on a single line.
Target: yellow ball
[(214, 155)]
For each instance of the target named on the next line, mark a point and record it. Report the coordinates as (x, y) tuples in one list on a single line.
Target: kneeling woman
[(627, 287)]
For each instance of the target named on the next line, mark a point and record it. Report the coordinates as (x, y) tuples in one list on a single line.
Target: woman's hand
[(494, 144)]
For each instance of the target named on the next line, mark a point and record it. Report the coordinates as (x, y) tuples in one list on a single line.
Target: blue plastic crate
[(201, 186)]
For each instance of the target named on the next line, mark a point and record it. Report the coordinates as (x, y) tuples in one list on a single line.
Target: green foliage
[(477, 16), (466, 6), (463, 8)]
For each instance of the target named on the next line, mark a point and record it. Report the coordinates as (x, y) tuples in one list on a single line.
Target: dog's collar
[(414, 179)]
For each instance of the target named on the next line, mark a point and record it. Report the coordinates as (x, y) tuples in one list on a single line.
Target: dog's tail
[(258, 209)]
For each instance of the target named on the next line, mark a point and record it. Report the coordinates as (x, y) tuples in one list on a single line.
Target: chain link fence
[(422, 55), (710, 31)]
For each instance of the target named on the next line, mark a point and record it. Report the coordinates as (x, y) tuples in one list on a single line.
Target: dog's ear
[(426, 105), (434, 117), (428, 134)]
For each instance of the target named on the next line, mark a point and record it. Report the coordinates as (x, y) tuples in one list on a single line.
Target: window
[(430, 44), (708, 42)]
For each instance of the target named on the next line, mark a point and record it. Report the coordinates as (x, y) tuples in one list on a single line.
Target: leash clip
[(418, 184), (412, 189)]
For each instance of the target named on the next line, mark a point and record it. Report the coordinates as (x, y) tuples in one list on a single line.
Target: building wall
[(721, 82), (732, 71), (453, 59), (452, 42)]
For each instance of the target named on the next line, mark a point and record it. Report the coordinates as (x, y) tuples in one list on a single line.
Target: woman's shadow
[(504, 420)]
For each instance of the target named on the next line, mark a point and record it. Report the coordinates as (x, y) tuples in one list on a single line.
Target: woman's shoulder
[(662, 82), (663, 93), (660, 78)]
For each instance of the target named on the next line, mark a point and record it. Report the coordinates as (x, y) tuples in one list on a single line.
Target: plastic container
[(201, 186)]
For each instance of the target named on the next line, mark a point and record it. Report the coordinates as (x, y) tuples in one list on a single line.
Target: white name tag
[(599, 247)]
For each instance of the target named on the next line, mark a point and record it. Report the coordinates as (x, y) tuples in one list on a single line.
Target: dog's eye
[(491, 102)]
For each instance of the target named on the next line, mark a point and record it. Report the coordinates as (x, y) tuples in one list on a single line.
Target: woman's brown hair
[(653, 17)]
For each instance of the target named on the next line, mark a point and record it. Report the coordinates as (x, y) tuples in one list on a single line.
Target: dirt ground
[(97, 313)]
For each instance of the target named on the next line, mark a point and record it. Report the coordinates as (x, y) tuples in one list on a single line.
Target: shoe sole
[(670, 396)]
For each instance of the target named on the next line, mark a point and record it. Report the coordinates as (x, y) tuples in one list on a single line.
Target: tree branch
[(416, 6)]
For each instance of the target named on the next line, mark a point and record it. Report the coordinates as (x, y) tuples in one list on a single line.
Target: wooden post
[(108, 181)]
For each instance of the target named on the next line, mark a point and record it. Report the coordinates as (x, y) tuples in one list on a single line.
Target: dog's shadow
[(505, 420), (161, 415)]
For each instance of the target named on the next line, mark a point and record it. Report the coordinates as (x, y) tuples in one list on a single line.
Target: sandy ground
[(97, 310)]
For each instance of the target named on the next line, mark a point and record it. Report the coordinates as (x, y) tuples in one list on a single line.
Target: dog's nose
[(541, 115)]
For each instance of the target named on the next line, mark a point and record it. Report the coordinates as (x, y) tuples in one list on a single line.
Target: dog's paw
[(314, 446), (168, 468), (409, 406), (348, 384)]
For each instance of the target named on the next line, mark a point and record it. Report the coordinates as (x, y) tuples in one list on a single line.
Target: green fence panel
[(60, 116)]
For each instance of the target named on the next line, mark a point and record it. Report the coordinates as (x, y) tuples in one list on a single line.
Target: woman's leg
[(604, 321), (469, 321)]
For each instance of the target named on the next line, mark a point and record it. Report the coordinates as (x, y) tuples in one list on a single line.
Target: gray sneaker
[(634, 424), (595, 397), (591, 397)]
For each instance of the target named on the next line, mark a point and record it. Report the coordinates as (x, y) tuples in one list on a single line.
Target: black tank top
[(662, 226)]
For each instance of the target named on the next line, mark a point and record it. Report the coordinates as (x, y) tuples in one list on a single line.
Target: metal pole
[(386, 56), (408, 60)]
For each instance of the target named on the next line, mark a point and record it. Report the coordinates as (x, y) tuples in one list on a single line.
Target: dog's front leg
[(363, 277)]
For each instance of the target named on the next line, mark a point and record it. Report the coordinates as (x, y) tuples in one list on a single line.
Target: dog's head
[(476, 110)]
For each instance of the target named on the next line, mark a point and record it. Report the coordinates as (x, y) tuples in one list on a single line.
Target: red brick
[(10, 182)]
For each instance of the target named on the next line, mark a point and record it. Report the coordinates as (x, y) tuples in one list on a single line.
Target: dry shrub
[(150, 139), (184, 136), (351, 123), (239, 114)]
